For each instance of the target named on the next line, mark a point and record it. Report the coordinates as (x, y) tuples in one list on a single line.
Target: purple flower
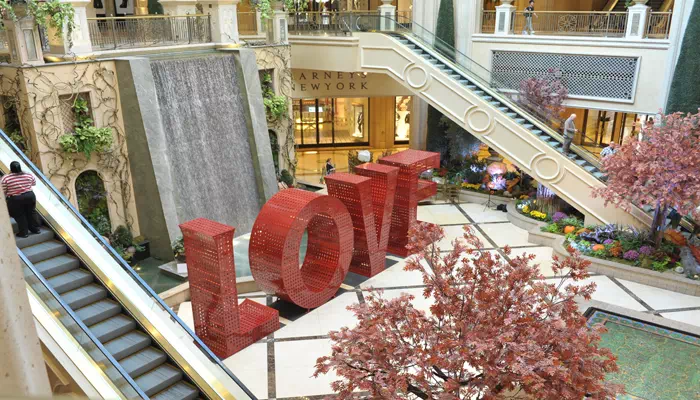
[(608, 241), (631, 255), (646, 250), (558, 216)]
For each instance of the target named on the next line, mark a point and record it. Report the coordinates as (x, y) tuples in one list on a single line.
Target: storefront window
[(402, 127), (331, 121)]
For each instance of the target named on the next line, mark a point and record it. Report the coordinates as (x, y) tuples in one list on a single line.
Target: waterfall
[(207, 140)]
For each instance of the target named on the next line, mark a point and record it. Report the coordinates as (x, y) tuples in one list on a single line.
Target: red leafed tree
[(495, 330), (662, 170), (545, 95)]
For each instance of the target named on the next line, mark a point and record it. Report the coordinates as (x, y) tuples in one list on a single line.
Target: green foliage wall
[(685, 87), (445, 27)]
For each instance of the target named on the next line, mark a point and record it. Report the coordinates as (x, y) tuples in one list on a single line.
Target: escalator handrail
[(80, 323), (134, 275)]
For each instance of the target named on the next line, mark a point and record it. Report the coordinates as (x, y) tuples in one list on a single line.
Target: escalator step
[(528, 126), (143, 361), (112, 328), (45, 234), (487, 98), (45, 250), (85, 295), (537, 132), (98, 311), (520, 120), (581, 162), (128, 344), (178, 391), (57, 265), (471, 87), (478, 92), (590, 168), (70, 280), (511, 115), (599, 175), (158, 379)]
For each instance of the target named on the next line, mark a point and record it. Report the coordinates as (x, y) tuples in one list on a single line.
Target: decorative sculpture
[(369, 197), (409, 191), (276, 238), (223, 324)]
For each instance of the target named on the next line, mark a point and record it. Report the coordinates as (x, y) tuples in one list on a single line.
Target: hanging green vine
[(50, 13), (275, 106), (265, 6), (86, 138)]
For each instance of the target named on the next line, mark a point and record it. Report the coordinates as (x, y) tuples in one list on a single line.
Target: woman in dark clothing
[(21, 202)]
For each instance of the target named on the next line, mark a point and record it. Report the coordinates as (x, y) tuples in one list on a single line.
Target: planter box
[(662, 280), (524, 222), (142, 255), (467, 196)]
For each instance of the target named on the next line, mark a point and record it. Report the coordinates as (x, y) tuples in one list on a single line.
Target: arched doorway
[(92, 201)]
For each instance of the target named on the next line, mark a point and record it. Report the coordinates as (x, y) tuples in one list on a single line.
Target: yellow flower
[(471, 185), (538, 215), (526, 209)]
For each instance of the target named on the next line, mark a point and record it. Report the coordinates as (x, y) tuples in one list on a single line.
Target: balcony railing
[(336, 22), (568, 23), (658, 25), (247, 23), (148, 31), (488, 21)]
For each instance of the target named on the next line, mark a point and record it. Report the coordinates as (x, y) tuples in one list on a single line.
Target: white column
[(224, 21), (419, 123), (23, 41), (79, 42), (467, 20), (387, 13), (277, 31), (22, 370), (637, 20), (504, 18), (259, 23)]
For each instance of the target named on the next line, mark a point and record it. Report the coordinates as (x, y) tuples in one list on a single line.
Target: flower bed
[(627, 245), (527, 207)]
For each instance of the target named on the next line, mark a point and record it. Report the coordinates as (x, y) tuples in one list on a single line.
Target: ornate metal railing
[(658, 25), (147, 31), (585, 23), (331, 22), (247, 23), (488, 21)]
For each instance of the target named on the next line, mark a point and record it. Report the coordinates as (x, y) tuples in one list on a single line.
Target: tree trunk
[(658, 224)]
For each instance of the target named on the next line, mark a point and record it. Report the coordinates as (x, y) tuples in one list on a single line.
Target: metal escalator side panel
[(168, 331)]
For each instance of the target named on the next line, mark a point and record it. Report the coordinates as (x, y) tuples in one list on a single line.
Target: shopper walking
[(21, 202), (330, 168), (569, 132), (529, 12)]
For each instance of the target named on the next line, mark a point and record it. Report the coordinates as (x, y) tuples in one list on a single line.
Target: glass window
[(351, 120), (325, 120), (308, 121), (402, 127)]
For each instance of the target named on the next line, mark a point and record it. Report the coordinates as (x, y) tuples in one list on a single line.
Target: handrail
[(120, 261), (146, 17), (80, 324)]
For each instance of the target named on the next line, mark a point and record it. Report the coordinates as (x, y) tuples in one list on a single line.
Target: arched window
[(274, 144), (92, 201)]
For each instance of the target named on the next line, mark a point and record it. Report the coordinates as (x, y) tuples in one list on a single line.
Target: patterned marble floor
[(281, 366)]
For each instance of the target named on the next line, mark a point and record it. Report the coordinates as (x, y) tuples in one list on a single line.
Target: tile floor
[(291, 352)]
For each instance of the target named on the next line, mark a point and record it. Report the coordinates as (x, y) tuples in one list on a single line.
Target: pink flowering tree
[(544, 95), (662, 170), (496, 329)]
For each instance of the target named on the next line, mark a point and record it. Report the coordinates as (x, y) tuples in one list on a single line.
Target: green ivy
[(50, 13), (684, 95), (275, 106), (86, 138), (265, 6)]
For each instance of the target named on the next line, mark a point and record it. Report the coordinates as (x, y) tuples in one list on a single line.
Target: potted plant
[(179, 249)]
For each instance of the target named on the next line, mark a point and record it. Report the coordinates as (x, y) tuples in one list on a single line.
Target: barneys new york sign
[(310, 83)]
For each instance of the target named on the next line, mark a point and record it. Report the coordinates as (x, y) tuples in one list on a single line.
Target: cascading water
[(207, 140)]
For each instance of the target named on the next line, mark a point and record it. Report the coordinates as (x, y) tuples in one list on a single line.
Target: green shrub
[(287, 178), (551, 228), (570, 221), (121, 237), (179, 247), (86, 138)]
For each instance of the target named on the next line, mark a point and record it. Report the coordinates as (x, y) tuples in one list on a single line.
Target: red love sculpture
[(223, 324)]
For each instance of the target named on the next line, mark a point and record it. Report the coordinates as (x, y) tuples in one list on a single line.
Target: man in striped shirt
[(21, 202)]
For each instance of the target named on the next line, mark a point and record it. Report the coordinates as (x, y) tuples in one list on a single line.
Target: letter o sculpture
[(275, 241)]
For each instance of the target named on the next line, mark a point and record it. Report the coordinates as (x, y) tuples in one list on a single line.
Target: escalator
[(473, 97), (108, 313)]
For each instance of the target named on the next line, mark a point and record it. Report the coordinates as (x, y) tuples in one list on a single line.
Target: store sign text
[(318, 80)]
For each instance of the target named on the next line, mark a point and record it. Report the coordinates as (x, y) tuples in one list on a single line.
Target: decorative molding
[(473, 120), (410, 74), (543, 163), (396, 70)]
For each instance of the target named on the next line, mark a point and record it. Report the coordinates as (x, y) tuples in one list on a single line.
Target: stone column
[(22, 370), (637, 16), (224, 21), (79, 42), (504, 18), (23, 41), (419, 123), (277, 25), (259, 23), (387, 19)]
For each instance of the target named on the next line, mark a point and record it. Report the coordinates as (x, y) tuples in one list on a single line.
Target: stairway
[(149, 367)]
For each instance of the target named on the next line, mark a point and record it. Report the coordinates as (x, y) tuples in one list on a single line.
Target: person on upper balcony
[(21, 201), (529, 12)]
